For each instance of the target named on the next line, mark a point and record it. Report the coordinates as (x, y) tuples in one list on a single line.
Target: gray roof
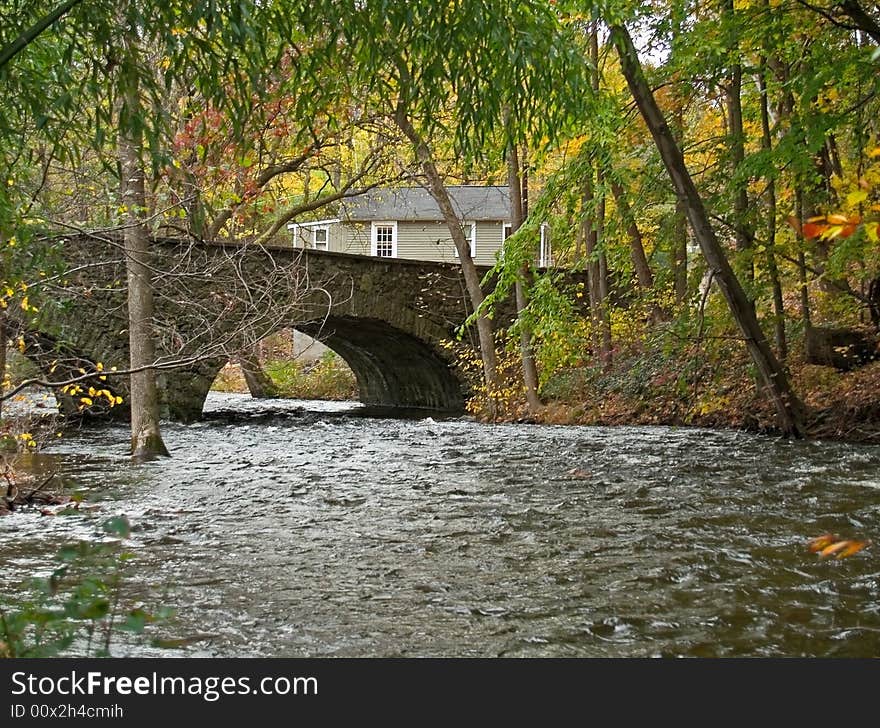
[(470, 202)]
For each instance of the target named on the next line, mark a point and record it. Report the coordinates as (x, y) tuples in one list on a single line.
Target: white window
[(314, 234), (383, 239), (506, 231), (545, 258), (470, 232), (321, 237)]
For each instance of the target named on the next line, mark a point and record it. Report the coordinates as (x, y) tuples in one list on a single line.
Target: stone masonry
[(388, 318)]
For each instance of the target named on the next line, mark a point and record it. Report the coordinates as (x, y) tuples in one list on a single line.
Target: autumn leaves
[(830, 544)]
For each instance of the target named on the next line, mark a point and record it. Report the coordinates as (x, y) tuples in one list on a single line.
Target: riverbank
[(842, 406), (839, 405)]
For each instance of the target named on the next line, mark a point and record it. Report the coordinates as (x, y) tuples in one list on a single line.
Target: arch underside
[(393, 368)]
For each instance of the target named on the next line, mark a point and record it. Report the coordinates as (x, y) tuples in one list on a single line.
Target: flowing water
[(332, 532)]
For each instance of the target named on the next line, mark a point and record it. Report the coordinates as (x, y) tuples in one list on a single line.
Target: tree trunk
[(644, 276), (4, 340), (803, 282), (590, 237), (468, 268), (736, 137), (772, 269), (860, 17), (636, 247), (258, 382), (517, 217), (146, 439), (597, 272), (788, 406), (605, 314), (680, 228)]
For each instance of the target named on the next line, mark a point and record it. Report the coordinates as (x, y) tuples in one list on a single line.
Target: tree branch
[(32, 33)]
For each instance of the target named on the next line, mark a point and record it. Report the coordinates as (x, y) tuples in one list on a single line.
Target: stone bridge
[(391, 320)]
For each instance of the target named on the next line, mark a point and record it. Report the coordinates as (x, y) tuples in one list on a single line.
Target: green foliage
[(328, 378), (506, 399), (77, 608), (463, 66)]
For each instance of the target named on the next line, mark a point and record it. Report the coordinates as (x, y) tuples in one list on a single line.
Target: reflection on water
[(315, 530)]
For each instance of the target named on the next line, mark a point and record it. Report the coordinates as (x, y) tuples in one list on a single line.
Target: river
[(318, 530)]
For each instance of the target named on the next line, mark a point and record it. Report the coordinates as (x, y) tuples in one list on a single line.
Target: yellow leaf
[(855, 197), (820, 542), (837, 219), (86, 401), (871, 231), (831, 232), (853, 547), (833, 549)]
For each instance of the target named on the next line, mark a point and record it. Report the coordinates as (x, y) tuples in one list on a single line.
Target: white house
[(406, 223)]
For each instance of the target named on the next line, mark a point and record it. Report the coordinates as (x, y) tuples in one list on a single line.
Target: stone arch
[(392, 368)]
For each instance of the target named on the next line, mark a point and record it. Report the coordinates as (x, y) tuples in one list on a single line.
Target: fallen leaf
[(820, 542), (833, 549), (853, 548)]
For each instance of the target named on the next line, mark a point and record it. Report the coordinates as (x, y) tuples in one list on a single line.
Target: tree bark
[(4, 340), (258, 382), (468, 268), (597, 271), (146, 439), (772, 268), (736, 143), (803, 282), (636, 247), (788, 406), (8, 52), (860, 17), (680, 230), (644, 275), (599, 228), (517, 217)]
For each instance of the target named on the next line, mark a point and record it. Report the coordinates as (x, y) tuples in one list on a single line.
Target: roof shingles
[(470, 202)]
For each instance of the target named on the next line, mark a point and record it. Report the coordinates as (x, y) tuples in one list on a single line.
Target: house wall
[(418, 241)]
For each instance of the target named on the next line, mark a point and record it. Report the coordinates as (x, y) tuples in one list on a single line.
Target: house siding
[(415, 240), (428, 240)]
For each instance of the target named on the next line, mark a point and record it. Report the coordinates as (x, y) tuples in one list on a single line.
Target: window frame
[(375, 226), (326, 230), (473, 238)]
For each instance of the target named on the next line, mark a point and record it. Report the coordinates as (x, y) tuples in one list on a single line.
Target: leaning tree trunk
[(788, 406), (523, 280), (468, 268), (259, 383), (146, 439)]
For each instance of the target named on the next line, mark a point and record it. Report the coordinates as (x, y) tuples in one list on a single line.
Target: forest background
[(713, 167)]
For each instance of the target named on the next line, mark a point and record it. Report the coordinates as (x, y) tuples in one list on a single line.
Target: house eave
[(313, 223)]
